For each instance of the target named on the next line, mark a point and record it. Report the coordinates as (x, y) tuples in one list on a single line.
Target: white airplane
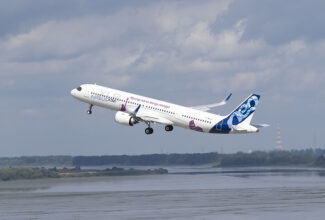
[(132, 109)]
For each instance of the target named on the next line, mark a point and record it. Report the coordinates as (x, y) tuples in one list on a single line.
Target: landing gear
[(169, 127), (148, 130), (89, 110)]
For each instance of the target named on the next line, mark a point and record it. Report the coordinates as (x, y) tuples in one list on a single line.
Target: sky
[(185, 52)]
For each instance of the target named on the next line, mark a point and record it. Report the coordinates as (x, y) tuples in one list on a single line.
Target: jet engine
[(125, 119)]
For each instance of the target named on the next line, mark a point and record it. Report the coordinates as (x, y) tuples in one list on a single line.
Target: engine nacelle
[(125, 119)]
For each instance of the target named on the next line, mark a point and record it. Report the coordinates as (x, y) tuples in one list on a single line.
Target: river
[(184, 193)]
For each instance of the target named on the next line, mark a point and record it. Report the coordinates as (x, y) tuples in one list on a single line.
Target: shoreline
[(28, 173)]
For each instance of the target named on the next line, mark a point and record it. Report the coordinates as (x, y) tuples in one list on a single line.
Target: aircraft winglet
[(228, 97)]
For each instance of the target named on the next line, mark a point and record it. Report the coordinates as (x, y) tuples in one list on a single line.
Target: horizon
[(248, 152)]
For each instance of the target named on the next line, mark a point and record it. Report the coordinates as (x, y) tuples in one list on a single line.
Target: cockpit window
[(79, 88)]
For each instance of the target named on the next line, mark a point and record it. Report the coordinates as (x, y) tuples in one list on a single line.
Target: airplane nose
[(73, 92)]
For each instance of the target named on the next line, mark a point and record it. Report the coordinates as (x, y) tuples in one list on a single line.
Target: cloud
[(165, 39)]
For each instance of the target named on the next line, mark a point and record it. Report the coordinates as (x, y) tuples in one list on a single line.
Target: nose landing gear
[(89, 110)]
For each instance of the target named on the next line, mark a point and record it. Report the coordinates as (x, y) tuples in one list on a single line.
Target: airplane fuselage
[(152, 110)]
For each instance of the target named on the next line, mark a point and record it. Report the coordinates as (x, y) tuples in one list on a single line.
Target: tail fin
[(242, 114), (245, 111)]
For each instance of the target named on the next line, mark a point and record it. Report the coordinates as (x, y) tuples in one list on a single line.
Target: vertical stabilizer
[(242, 114)]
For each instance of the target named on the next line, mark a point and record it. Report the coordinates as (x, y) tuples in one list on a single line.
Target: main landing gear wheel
[(148, 131), (89, 110), (169, 127)]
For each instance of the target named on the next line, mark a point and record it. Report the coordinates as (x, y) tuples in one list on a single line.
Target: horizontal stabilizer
[(261, 125)]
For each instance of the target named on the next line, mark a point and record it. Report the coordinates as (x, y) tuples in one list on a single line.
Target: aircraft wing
[(156, 119), (150, 117), (210, 106)]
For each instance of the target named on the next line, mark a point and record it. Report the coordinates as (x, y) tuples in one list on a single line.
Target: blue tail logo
[(237, 116)]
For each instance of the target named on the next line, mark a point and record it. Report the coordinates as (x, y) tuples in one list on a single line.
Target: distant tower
[(278, 139), (314, 140)]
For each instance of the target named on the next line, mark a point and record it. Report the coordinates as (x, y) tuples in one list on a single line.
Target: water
[(185, 193)]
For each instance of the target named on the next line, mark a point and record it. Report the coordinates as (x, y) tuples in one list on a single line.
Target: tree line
[(17, 173), (147, 159), (307, 157), (36, 161), (26, 173)]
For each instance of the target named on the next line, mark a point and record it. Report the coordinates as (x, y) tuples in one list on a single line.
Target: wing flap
[(149, 117), (156, 119)]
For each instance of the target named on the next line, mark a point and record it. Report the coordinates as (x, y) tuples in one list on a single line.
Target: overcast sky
[(185, 52)]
